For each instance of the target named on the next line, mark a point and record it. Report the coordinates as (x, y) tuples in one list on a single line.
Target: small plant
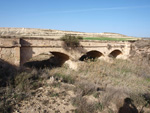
[(109, 46), (53, 94), (64, 78), (99, 106), (85, 106), (85, 88)]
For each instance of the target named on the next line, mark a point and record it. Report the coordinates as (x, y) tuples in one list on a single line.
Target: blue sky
[(129, 17)]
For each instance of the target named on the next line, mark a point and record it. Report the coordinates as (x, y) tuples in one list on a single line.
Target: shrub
[(64, 78), (85, 87), (83, 106), (7, 73), (18, 86), (71, 41)]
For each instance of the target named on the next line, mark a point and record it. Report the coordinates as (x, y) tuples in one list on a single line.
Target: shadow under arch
[(91, 55), (115, 53), (60, 58), (56, 59)]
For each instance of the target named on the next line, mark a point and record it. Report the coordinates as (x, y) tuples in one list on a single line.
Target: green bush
[(71, 41)]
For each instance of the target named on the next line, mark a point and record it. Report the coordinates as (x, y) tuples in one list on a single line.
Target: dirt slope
[(49, 33)]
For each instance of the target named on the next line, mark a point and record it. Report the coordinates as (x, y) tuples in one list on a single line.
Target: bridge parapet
[(40, 42), (9, 42), (36, 42)]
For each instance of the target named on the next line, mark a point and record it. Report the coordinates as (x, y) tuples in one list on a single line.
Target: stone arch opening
[(53, 59), (115, 54), (59, 58), (91, 55)]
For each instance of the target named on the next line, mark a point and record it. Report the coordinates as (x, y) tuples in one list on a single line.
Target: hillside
[(96, 87), (54, 34)]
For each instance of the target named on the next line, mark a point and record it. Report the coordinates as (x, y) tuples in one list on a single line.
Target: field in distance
[(108, 38)]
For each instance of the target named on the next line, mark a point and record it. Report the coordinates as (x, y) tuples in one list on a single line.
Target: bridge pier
[(17, 56), (10, 50)]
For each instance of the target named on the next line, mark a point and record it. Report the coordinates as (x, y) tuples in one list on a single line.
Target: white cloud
[(98, 9)]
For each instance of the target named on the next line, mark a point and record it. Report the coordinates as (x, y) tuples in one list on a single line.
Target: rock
[(51, 80), (90, 99)]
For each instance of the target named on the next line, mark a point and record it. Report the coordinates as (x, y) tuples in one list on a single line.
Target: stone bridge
[(18, 51)]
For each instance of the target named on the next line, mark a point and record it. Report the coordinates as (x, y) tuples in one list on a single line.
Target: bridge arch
[(115, 53), (91, 55), (60, 58), (54, 59)]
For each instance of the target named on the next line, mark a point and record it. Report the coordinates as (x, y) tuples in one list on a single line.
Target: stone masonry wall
[(10, 50), (18, 51), (31, 47)]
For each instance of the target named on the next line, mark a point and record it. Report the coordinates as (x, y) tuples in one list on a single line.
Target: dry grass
[(19, 86), (109, 82), (106, 83)]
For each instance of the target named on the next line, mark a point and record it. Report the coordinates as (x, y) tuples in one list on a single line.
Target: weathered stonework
[(18, 51), (10, 50)]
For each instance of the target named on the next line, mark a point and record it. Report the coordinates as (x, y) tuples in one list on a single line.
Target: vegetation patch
[(71, 41), (64, 78), (95, 87), (19, 86), (108, 38)]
